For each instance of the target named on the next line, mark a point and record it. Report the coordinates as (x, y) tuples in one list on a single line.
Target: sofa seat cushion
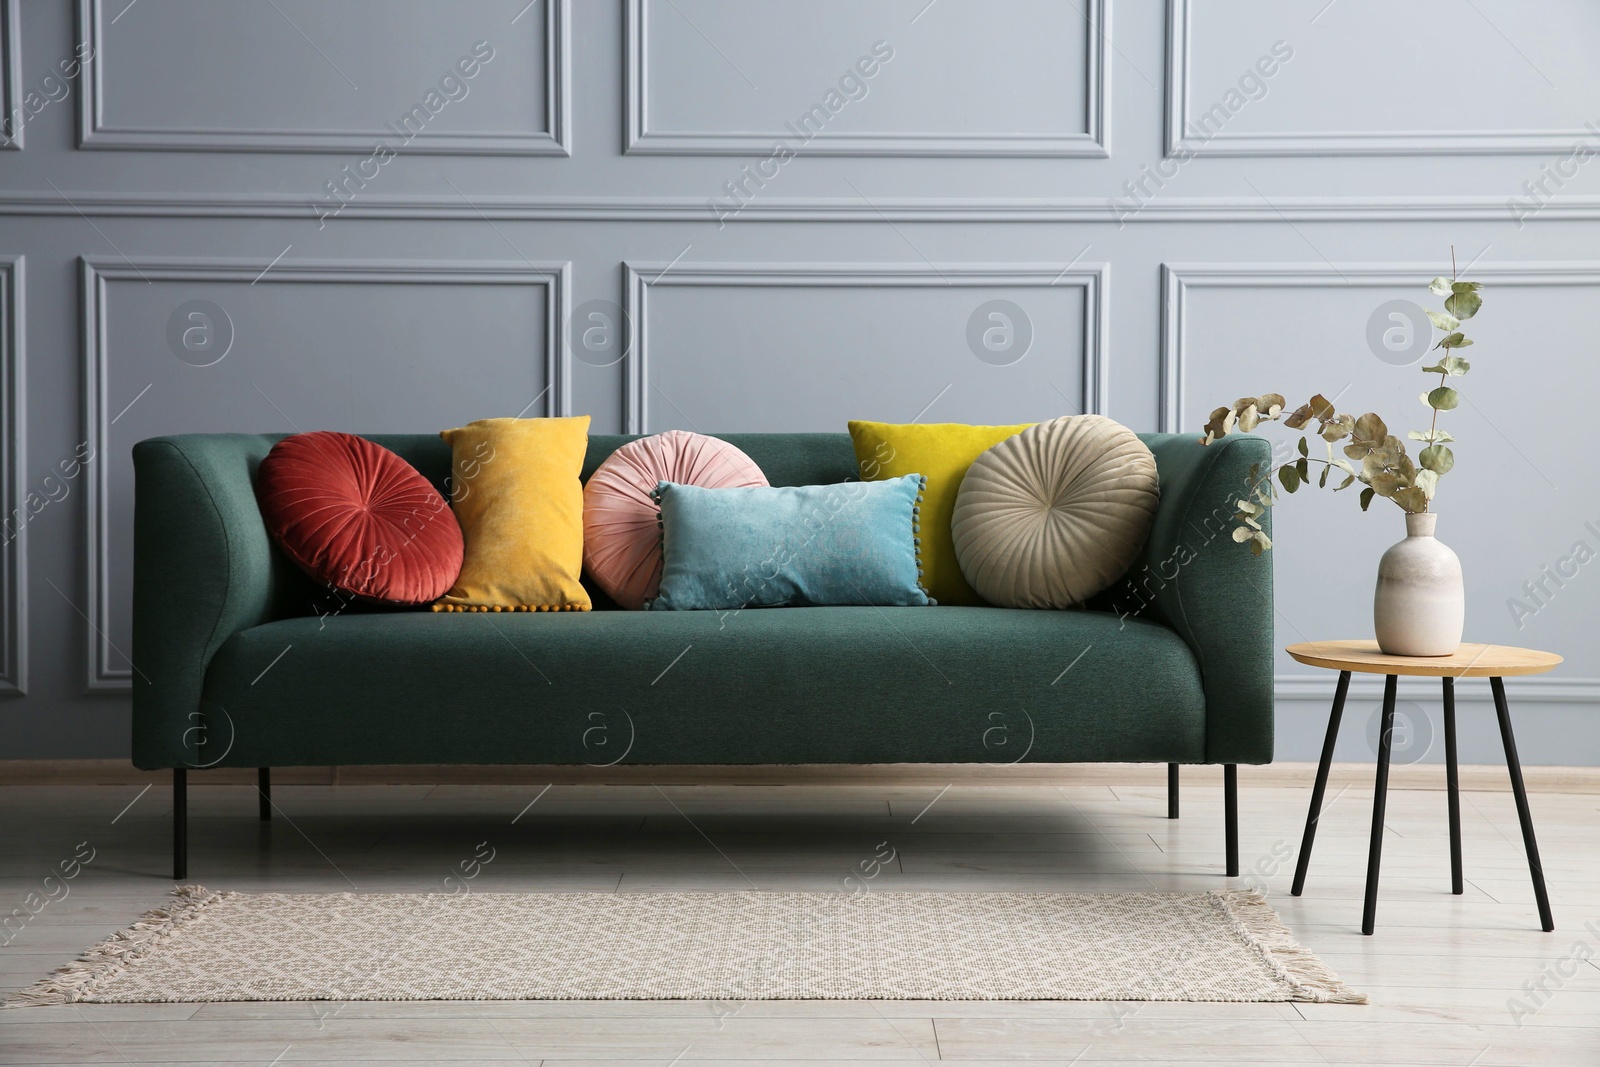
[(785, 685)]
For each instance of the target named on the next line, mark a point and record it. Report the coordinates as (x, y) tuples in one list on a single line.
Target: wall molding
[(11, 76), (97, 273), (1092, 143), (1180, 139), (819, 209), (554, 140), (640, 278), (13, 476), (1177, 279)]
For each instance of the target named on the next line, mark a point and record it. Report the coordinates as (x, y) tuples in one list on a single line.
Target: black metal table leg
[(1521, 793), (1452, 779), (1172, 790), (180, 823), (1230, 815), (264, 788), (1318, 790), (1369, 913)]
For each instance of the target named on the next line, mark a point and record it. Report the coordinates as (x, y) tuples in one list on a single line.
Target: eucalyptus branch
[(1385, 468)]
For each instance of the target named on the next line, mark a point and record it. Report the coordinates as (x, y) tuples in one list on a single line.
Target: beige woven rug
[(699, 946)]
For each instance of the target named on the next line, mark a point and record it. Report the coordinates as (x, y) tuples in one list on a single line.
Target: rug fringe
[(76, 981), (1295, 965)]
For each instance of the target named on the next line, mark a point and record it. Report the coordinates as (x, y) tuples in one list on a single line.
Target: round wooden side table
[(1493, 662)]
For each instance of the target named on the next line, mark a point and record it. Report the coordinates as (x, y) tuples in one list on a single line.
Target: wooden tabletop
[(1469, 661)]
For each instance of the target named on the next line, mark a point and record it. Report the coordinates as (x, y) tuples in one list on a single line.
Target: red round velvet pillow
[(359, 519)]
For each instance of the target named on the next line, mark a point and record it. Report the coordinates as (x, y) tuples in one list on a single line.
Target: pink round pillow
[(621, 522)]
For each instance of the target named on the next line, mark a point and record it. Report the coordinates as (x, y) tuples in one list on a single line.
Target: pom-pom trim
[(511, 607)]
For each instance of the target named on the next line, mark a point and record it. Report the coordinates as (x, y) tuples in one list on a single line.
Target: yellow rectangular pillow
[(515, 490), (940, 452)]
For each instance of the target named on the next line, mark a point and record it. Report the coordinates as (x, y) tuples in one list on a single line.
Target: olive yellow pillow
[(940, 452), (515, 490)]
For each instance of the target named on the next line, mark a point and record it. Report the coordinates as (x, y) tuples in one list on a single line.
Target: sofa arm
[(204, 569), (1216, 593)]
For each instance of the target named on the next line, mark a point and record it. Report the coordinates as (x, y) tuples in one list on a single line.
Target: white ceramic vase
[(1419, 608)]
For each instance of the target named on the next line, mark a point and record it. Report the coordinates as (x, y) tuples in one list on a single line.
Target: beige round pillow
[(1052, 516)]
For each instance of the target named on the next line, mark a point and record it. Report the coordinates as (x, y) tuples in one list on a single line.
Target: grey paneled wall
[(428, 315), (278, 102), (827, 321), (389, 215), (680, 104)]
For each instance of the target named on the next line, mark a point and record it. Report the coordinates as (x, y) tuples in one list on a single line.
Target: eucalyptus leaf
[(1388, 483), (1389, 452), (1337, 428), (1452, 364), (1271, 404), (1455, 340), (1447, 323), (1321, 408), (1434, 435), (1347, 483), (1241, 534), (1249, 418), (1463, 305), (1428, 482), (1460, 287), (1437, 458), (1370, 428), (1322, 479), (1290, 477), (1412, 499), (1299, 417), (1366, 498), (1440, 286), (1303, 451), (1443, 398)]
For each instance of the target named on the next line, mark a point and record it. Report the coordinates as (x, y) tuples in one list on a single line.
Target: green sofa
[(243, 664)]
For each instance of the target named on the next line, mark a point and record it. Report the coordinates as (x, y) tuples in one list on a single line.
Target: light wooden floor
[(1440, 970)]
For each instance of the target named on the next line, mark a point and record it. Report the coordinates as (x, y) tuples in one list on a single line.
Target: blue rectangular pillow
[(848, 543)]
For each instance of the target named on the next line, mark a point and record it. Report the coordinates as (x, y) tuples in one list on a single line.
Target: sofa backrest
[(785, 458)]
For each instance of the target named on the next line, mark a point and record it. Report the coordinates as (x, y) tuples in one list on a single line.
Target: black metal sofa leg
[(1230, 802), (264, 787), (1172, 790), (180, 824)]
